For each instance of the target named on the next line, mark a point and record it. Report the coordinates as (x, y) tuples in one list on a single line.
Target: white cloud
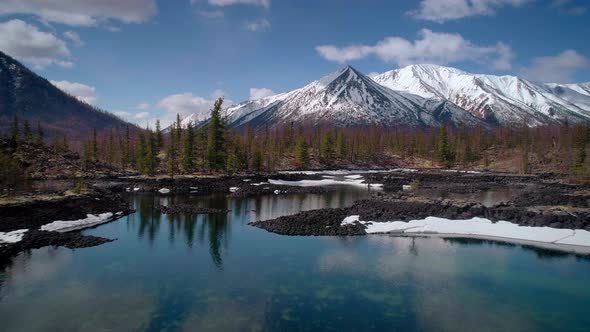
[(258, 25), (25, 42), (141, 115), (211, 14), (445, 10), (187, 103), (431, 47), (373, 74), (556, 69), (82, 12), (262, 3), (257, 93), (74, 37), (81, 91), (143, 106)]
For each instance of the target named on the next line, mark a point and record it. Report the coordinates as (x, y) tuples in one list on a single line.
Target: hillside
[(32, 97)]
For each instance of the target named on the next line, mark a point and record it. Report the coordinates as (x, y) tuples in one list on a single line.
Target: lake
[(216, 273)]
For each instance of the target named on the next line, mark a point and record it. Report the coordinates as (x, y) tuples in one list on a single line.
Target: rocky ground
[(534, 201), (36, 212)]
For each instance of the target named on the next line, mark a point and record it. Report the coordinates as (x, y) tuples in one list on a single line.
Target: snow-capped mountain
[(503, 100), (348, 98)]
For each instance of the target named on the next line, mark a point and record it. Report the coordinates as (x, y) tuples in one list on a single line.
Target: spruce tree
[(301, 152), (94, 145), (14, 130), (445, 151), (216, 153), (27, 132), (187, 154), (39, 137), (159, 140)]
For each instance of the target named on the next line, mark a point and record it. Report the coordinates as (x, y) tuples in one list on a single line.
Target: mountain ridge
[(33, 98)]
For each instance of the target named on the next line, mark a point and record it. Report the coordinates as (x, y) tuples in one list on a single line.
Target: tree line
[(213, 147)]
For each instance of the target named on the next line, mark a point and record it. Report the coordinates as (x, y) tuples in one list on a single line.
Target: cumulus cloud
[(211, 14), (262, 3), (430, 47), (143, 106), (74, 37), (81, 91), (187, 103), (25, 42), (446, 10), (257, 93), (560, 68), (258, 25), (82, 12)]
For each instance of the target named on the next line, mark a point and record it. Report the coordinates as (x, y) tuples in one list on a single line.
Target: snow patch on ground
[(72, 225), (354, 176), (324, 182), (12, 237), (479, 227), (164, 191), (234, 189)]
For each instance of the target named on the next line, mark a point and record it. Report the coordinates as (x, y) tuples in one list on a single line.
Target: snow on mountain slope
[(505, 100), (577, 94), (348, 98)]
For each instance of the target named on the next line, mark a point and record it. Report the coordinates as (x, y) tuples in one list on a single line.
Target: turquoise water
[(216, 273)]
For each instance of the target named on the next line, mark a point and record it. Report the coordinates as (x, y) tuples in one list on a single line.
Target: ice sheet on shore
[(72, 225), (12, 237), (324, 182), (476, 227)]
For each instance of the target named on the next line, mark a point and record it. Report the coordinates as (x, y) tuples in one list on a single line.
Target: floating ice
[(71, 225), (12, 237)]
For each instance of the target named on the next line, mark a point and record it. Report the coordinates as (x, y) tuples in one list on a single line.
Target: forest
[(214, 148)]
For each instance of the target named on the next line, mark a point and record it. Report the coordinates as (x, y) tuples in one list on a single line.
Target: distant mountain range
[(34, 98), (416, 96)]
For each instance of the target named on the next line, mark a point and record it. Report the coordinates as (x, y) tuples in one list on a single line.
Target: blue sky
[(147, 59)]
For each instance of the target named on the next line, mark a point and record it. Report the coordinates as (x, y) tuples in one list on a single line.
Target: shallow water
[(216, 273)]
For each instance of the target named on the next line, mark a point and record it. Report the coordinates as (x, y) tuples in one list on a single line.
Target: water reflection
[(212, 272)]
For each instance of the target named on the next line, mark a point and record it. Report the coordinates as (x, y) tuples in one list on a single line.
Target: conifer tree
[(301, 152), (94, 145), (14, 130), (445, 151), (159, 140), (39, 137), (216, 153), (187, 154), (28, 134)]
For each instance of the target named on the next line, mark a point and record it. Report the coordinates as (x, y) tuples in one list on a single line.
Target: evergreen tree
[(216, 153), (94, 145), (14, 130), (445, 151), (187, 154), (28, 134), (159, 140), (39, 138), (142, 155), (258, 162), (328, 147), (301, 152)]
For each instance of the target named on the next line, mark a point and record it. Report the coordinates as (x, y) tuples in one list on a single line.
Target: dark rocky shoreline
[(539, 201)]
